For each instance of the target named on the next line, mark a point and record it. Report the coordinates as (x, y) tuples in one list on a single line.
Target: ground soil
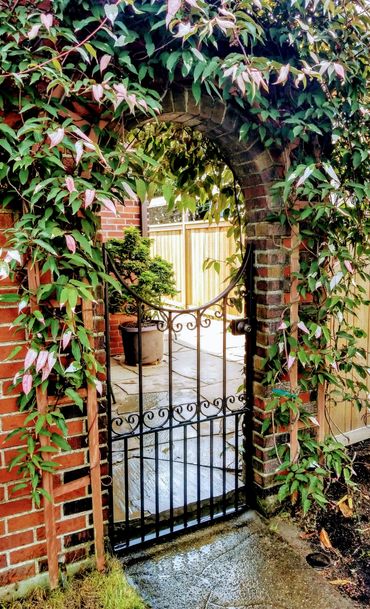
[(349, 534)]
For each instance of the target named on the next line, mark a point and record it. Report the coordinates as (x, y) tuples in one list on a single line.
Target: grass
[(87, 590)]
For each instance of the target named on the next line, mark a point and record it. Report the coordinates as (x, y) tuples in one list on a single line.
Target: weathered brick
[(17, 574)]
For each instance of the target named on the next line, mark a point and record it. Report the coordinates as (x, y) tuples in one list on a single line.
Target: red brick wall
[(115, 319), (112, 226), (22, 533)]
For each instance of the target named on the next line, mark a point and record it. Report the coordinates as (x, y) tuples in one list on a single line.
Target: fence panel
[(168, 242), (343, 420), (187, 245)]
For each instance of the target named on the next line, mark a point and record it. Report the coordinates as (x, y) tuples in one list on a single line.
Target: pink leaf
[(71, 243), (172, 7), (56, 137), (79, 151), (283, 75), (27, 383), (104, 62), (22, 305), (282, 326), (109, 205), (348, 266), (4, 272), (13, 255), (70, 183), (291, 360), (339, 70), (98, 92), (52, 358), (302, 326), (99, 386), (45, 373), (82, 135), (129, 191), (31, 355), (89, 197), (41, 360), (47, 20), (33, 31), (66, 339)]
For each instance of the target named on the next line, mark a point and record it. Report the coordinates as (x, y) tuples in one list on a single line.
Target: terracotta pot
[(151, 344)]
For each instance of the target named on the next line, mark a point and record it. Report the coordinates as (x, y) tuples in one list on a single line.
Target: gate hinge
[(240, 326)]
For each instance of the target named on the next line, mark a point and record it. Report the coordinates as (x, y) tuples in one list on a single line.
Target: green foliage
[(306, 481), (299, 71), (187, 169), (149, 277)]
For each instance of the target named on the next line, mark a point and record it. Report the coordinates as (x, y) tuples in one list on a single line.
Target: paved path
[(125, 384), (239, 564)]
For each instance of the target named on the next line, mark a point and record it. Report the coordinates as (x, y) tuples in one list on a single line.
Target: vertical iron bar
[(224, 401), (250, 341), (185, 476), (170, 414), (109, 400), (198, 326), (141, 416), (126, 488), (156, 483), (211, 506), (236, 461)]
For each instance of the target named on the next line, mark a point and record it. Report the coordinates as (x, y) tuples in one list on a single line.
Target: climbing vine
[(74, 74)]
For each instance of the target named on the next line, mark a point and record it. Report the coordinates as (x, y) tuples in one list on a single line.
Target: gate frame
[(245, 274)]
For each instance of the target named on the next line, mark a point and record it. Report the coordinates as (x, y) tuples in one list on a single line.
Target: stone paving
[(238, 564), (125, 386)]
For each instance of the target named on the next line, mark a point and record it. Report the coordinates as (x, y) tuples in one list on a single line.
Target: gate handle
[(240, 326)]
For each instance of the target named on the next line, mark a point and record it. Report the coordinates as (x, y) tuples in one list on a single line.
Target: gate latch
[(240, 326)]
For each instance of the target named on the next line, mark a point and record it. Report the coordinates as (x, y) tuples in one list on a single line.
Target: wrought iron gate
[(182, 462)]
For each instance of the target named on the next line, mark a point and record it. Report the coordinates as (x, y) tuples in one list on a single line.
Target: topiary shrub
[(150, 277)]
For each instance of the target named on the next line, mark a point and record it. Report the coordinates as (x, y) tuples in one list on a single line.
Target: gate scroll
[(185, 463)]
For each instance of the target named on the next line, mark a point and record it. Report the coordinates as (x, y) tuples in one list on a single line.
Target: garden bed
[(342, 531)]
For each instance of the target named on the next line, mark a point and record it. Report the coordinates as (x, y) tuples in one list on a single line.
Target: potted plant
[(150, 278)]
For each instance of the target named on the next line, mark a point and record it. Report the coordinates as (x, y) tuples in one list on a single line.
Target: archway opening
[(179, 410)]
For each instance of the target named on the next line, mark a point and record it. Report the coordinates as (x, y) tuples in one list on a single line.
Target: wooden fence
[(187, 245), (347, 423)]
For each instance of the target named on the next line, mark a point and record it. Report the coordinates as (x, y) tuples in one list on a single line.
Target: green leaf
[(75, 397), (60, 441)]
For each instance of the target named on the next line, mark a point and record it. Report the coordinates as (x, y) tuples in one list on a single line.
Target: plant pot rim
[(148, 328)]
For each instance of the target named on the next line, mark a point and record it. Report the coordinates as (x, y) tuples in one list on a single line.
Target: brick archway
[(24, 531), (256, 169)]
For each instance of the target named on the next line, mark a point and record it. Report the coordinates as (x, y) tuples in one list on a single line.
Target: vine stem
[(63, 54)]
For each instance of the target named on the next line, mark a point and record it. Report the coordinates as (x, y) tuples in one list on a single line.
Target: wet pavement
[(212, 445), (238, 564)]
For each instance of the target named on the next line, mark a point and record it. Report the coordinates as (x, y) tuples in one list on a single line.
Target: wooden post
[(294, 318), (47, 477), (144, 210), (321, 395), (94, 451)]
